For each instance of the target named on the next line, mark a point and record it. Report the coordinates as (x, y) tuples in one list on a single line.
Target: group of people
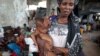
[(60, 36)]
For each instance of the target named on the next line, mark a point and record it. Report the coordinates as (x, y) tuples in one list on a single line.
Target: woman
[(64, 30)]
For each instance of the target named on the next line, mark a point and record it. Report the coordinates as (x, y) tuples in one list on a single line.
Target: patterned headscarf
[(59, 1)]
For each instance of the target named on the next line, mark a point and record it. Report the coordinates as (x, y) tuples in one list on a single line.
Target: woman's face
[(66, 7)]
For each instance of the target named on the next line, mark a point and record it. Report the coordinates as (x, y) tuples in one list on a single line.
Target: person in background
[(26, 29), (20, 41), (65, 29), (53, 15)]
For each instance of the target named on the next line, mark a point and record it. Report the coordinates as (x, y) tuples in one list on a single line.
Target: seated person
[(43, 41), (20, 41)]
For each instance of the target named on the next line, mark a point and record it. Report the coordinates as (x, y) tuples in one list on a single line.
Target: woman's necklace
[(62, 20)]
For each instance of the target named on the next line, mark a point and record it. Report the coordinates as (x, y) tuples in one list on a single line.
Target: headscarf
[(59, 2)]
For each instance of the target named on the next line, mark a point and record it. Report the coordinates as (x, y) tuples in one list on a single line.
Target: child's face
[(44, 26), (47, 22)]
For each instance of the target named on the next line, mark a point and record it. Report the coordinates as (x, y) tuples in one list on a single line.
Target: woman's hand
[(60, 50)]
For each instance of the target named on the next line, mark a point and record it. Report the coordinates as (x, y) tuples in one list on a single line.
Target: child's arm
[(34, 39)]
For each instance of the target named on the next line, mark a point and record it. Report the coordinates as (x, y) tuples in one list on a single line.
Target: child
[(43, 41)]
